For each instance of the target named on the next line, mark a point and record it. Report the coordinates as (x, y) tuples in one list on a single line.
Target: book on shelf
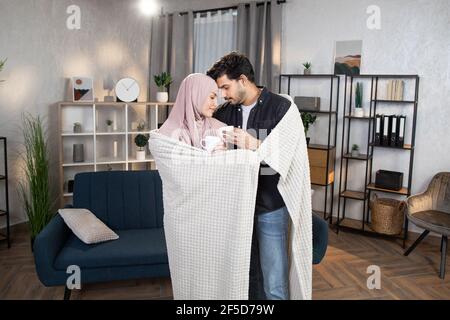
[(389, 90), (385, 140), (378, 130), (401, 131), (389, 130), (393, 130), (395, 89)]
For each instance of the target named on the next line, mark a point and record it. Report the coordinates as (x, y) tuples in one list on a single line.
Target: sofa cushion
[(134, 247), (86, 226), (123, 200)]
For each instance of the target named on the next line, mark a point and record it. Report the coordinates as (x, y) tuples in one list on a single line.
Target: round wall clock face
[(127, 89)]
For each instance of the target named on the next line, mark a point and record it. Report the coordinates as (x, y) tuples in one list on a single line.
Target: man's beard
[(241, 95)]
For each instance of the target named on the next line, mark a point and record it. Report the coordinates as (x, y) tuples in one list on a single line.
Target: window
[(214, 36)]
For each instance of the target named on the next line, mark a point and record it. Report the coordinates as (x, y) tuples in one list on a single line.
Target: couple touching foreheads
[(247, 117), (192, 119)]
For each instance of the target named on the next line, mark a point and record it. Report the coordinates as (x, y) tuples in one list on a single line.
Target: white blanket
[(209, 205)]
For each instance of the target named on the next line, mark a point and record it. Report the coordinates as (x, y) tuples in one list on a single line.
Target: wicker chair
[(430, 210)]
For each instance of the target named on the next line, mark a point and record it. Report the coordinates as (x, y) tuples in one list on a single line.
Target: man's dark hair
[(233, 65)]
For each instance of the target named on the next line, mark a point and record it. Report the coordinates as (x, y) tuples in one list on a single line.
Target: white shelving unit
[(99, 142)]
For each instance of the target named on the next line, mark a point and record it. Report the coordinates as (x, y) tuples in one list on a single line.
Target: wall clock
[(127, 90)]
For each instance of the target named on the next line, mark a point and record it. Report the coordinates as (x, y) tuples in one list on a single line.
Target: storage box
[(318, 165), (307, 103), (391, 180)]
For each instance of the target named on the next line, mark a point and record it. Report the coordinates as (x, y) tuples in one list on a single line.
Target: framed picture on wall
[(83, 89), (347, 57)]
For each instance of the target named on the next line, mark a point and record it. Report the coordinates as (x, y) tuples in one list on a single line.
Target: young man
[(257, 111)]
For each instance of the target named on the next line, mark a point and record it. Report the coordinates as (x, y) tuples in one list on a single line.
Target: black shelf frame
[(332, 119), (4, 179), (368, 157)]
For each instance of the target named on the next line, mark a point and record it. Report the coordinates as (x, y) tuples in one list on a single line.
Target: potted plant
[(358, 100), (141, 141), (141, 125), (307, 119), (34, 187), (2, 64), (77, 127), (163, 82), (355, 150), (109, 124), (307, 66)]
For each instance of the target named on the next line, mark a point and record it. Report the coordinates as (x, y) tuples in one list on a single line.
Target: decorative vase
[(162, 97), (114, 124), (359, 112), (307, 71), (355, 153), (77, 128), (78, 153), (140, 155), (109, 128), (115, 149)]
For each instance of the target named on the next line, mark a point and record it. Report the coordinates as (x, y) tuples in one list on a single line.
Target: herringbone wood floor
[(341, 275)]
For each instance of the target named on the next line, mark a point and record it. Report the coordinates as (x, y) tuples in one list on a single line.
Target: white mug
[(223, 130), (210, 142)]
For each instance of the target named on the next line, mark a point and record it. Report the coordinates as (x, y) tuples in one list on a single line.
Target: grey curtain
[(171, 50), (259, 37)]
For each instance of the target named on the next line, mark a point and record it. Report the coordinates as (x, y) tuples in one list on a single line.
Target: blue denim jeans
[(269, 260)]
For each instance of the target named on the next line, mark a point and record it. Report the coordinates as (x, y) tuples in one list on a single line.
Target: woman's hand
[(219, 148)]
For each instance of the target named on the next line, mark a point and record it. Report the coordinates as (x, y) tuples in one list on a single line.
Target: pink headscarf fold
[(185, 122)]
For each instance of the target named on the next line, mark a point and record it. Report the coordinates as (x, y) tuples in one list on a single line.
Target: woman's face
[(210, 105)]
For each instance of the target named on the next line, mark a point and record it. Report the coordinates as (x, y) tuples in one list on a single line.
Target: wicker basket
[(387, 215)]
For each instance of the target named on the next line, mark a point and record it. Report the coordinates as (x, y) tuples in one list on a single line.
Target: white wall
[(42, 53)]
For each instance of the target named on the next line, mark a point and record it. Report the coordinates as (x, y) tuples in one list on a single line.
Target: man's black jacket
[(268, 111)]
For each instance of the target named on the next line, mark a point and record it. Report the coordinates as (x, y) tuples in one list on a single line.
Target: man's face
[(232, 90)]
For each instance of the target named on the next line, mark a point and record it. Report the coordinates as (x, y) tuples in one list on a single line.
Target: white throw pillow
[(86, 226)]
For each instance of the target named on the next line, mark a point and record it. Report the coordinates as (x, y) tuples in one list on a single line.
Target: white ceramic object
[(355, 153), (210, 142), (140, 155), (359, 112), (162, 97)]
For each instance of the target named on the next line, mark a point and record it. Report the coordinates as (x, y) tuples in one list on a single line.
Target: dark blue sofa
[(130, 203)]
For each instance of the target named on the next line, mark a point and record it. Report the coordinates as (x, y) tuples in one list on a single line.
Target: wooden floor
[(341, 275)]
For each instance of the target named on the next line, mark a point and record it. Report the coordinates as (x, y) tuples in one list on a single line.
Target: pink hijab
[(185, 122)]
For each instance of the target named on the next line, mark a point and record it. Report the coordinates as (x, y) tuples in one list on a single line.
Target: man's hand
[(242, 139)]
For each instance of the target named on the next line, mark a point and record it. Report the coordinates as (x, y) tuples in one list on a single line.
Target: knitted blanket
[(209, 204)]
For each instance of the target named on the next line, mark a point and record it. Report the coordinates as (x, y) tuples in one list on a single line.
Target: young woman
[(191, 119)]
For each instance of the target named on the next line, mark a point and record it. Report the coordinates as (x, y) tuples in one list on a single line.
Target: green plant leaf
[(34, 188), (2, 64), (358, 95), (307, 119), (141, 140), (163, 80)]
